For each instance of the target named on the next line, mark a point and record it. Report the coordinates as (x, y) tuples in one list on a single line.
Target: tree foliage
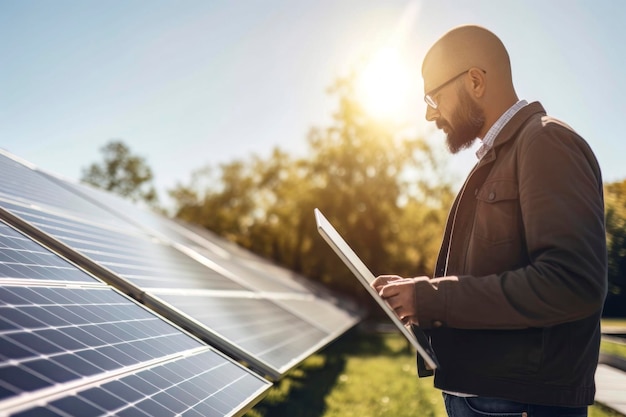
[(615, 207), (122, 173), (384, 191)]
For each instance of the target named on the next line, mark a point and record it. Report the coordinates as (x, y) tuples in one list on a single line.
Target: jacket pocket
[(497, 212)]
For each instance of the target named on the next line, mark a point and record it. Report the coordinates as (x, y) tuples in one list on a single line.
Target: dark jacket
[(524, 266)]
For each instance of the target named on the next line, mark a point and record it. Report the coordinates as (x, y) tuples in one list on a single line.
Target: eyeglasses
[(428, 98)]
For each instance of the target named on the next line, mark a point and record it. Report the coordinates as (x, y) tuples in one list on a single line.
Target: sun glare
[(383, 85)]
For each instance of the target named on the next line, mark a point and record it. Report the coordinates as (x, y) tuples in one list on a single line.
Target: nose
[(431, 114)]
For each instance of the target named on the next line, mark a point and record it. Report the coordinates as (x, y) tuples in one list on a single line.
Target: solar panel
[(271, 338), (261, 275), (60, 334), (258, 273), (230, 316), (327, 314), (142, 260), (20, 183), (202, 384), (172, 269), (71, 345), (21, 258)]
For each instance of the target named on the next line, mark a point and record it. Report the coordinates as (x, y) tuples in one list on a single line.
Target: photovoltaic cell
[(21, 258), (57, 335), (142, 260), (78, 347), (63, 335), (19, 182), (179, 387), (327, 317), (272, 334), (262, 277)]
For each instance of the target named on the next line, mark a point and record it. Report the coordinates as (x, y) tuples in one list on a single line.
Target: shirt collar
[(495, 129)]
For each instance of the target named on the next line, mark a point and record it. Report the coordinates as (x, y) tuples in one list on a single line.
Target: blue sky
[(189, 83)]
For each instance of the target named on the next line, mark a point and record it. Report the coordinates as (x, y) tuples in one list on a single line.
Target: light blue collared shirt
[(494, 130)]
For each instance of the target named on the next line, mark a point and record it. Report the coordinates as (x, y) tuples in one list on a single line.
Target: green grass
[(611, 348), (364, 375), (359, 375)]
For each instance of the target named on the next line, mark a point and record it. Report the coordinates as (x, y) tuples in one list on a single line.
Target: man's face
[(464, 122)]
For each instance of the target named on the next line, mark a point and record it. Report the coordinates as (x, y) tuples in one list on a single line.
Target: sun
[(383, 85)]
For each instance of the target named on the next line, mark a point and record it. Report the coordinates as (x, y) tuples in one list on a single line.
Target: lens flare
[(382, 87)]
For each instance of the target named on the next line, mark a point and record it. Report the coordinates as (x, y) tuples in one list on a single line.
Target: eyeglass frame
[(428, 97)]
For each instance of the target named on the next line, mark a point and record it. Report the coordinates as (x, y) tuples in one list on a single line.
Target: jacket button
[(437, 323), (492, 195)]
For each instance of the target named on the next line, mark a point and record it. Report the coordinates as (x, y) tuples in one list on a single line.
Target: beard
[(468, 119)]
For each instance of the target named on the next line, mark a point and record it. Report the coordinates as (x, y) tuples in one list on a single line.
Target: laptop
[(413, 334)]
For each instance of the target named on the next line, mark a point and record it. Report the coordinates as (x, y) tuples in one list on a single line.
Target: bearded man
[(513, 309)]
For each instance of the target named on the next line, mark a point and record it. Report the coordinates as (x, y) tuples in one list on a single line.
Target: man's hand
[(399, 293)]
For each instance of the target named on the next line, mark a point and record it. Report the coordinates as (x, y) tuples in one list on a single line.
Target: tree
[(122, 173), (615, 202), (384, 191)]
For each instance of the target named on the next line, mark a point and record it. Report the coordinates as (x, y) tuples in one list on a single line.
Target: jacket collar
[(517, 121), (509, 130)]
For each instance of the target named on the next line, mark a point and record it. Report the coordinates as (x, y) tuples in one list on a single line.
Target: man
[(513, 312)]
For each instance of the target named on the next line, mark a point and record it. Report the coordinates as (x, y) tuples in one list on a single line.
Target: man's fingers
[(383, 280), (388, 291), (399, 294), (393, 287), (397, 304), (399, 311)]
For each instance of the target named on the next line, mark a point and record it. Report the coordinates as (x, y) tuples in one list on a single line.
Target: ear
[(477, 81)]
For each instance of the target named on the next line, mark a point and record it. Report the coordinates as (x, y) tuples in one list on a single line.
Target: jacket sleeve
[(562, 211)]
